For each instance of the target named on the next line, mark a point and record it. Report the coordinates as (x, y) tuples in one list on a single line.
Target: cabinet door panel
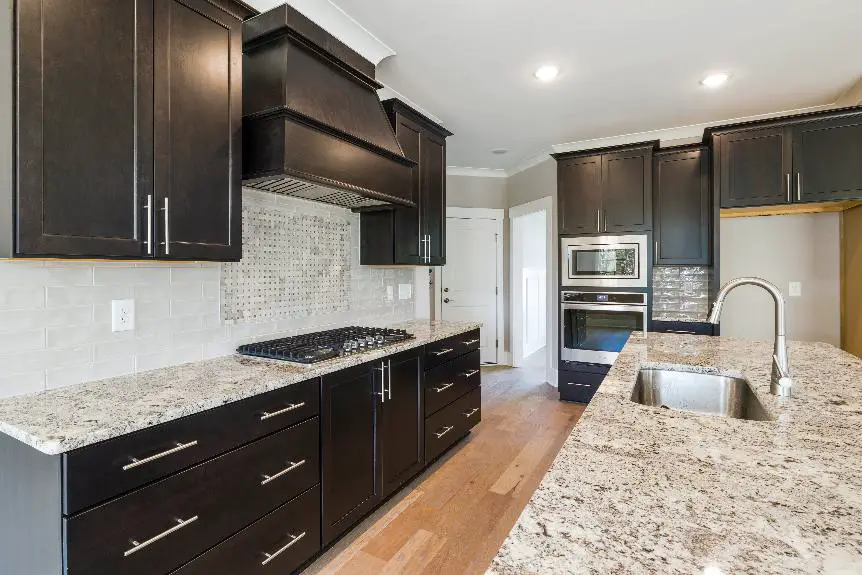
[(579, 194), (627, 191), (407, 220), (198, 57), (682, 208), (827, 160), (400, 426), (84, 126), (433, 165), (349, 478), (754, 167)]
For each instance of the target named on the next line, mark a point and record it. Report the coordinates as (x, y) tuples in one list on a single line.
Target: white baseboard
[(553, 376)]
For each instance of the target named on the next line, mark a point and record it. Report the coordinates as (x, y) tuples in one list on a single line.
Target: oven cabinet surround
[(127, 130), (259, 484), (793, 160), (411, 236), (605, 191), (682, 207)]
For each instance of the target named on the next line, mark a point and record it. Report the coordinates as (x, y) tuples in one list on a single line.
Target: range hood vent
[(313, 126)]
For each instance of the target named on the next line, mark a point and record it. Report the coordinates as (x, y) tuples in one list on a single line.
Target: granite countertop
[(638, 489), (64, 419)]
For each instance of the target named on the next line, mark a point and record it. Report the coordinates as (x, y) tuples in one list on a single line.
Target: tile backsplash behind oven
[(681, 293)]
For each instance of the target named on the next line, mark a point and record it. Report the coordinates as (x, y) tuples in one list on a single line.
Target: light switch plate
[(405, 291), (122, 315), (795, 289)]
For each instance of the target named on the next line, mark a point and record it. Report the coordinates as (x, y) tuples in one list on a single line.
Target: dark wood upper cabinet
[(349, 480), (827, 159), (753, 167), (198, 136), (401, 421), (411, 236), (682, 207), (605, 191), (121, 106)]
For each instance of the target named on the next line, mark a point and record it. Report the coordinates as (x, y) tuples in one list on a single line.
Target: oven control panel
[(633, 298)]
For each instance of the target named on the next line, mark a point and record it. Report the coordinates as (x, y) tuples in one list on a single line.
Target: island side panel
[(31, 538)]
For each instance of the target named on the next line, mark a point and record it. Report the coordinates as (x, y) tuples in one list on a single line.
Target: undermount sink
[(699, 393)]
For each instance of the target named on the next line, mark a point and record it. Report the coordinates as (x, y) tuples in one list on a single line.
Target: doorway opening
[(532, 303)]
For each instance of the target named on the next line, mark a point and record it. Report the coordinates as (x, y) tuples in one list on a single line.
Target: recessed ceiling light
[(715, 80), (547, 73), (500, 151)]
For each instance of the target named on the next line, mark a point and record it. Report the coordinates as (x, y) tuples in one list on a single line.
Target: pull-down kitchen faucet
[(780, 383)]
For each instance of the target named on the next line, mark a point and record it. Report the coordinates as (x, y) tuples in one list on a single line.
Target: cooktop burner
[(323, 345)]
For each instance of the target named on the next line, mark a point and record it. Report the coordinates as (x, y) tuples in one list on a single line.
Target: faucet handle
[(784, 386)]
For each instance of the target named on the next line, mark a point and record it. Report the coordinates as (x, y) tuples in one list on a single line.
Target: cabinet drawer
[(446, 383), (99, 472), (447, 426), (447, 349), (176, 519), (579, 386), (279, 543)]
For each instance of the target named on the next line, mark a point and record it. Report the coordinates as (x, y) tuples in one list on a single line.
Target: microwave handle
[(604, 307)]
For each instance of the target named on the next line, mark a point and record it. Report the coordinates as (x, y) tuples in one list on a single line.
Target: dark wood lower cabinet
[(400, 422)]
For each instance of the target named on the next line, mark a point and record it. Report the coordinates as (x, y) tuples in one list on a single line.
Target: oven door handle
[(604, 307)]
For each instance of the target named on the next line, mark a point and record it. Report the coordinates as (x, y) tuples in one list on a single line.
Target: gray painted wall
[(475, 192), (781, 249)]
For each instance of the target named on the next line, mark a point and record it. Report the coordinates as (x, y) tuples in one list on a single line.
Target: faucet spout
[(781, 382)]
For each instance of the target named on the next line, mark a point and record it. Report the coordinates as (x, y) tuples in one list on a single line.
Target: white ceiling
[(626, 65)]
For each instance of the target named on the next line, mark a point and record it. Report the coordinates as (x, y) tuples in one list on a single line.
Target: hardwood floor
[(453, 518)]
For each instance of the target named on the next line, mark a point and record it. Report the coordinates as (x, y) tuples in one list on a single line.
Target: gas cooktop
[(323, 345)]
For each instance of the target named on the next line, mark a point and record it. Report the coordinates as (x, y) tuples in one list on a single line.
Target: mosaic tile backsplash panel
[(301, 259), (681, 293)]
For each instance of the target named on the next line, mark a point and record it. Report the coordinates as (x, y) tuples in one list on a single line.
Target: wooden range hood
[(313, 126)]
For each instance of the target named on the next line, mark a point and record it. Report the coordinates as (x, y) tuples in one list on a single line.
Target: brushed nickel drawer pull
[(269, 478), (446, 430), (290, 407), (471, 412), (293, 540), (444, 388), (443, 351), (149, 240), (579, 384), (138, 462), (180, 524), (470, 374), (471, 342)]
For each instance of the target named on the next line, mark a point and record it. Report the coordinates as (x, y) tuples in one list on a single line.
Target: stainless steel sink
[(699, 393)]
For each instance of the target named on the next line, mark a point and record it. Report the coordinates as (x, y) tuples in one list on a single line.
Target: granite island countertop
[(60, 420), (638, 489)]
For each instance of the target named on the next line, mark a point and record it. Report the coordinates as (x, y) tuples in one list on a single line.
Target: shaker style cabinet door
[(433, 201), (84, 127), (754, 167), (827, 159), (198, 115), (682, 208), (627, 191), (401, 421), (579, 183)]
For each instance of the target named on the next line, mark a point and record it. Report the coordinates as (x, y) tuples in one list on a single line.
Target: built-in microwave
[(604, 261)]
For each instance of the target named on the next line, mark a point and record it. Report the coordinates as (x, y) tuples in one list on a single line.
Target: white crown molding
[(530, 162), (852, 96), (673, 136), (476, 172), (338, 23), (387, 92)]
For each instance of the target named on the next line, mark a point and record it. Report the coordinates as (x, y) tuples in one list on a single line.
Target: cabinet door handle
[(789, 191), (471, 342), (598, 220), (293, 540), (138, 462), (443, 351), (471, 412), (446, 430), (149, 208), (578, 384), (138, 546), (444, 388), (605, 219), (799, 186), (382, 392), (470, 374), (293, 406), (288, 469), (656, 250), (167, 242)]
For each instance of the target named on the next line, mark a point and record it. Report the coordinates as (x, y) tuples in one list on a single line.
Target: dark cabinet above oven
[(605, 191)]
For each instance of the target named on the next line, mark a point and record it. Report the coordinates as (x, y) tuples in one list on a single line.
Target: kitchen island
[(638, 489)]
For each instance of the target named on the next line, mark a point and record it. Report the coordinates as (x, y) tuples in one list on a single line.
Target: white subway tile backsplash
[(55, 378), (41, 359), (22, 383), (21, 297), (23, 340), (63, 296), (18, 319)]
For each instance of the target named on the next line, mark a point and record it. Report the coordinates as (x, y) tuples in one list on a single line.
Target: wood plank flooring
[(453, 518)]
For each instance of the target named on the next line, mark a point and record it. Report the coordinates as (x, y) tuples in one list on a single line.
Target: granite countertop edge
[(61, 420)]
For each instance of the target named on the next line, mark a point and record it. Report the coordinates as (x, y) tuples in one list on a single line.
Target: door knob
[(446, 300), (446, 289)]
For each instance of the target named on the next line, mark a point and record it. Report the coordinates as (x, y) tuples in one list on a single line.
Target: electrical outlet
[(122, 315), (405, 291), (795, 289), (390, 293)]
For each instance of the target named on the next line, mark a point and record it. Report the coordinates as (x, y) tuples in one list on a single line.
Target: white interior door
[(469, 278)]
